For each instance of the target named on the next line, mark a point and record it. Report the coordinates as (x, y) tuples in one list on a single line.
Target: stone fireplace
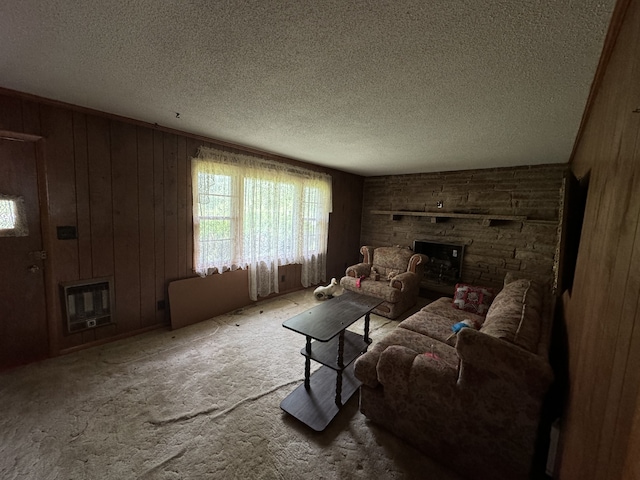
[(444, 268)]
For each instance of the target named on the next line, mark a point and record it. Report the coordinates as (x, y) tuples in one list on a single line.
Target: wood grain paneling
[(344, 224), (126, 187), (126, 231), (10, 114), (632, 465), (101, 195), (192, 150), (170, 151), (602, 311), (57, 129), (181, 201), (83, 199), (158, 207), (146, 229), (30, 117)]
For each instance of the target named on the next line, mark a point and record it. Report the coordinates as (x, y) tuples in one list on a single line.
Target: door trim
[(45, 228)]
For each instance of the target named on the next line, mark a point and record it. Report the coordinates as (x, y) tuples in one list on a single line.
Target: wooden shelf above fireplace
[(439, 216)]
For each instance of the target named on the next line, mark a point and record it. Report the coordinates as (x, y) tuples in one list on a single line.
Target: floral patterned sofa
[(472, 401), (390, 273)]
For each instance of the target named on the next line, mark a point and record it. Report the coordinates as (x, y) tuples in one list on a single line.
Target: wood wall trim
[(23, 137), (105, 340), (617, 18), (43, 206), (155, 126), (50, 286)]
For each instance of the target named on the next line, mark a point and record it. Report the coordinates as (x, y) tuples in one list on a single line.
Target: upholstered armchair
[(390, 273)]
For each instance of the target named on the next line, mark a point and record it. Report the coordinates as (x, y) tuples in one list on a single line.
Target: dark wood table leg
[(367, 318), (339, 372), (340, 359), (307, 365)]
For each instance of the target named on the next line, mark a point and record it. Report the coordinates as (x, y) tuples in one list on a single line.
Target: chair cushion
[(391, 259), (380, 289)]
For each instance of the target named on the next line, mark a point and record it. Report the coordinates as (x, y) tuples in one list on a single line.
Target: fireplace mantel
[(439, 216)]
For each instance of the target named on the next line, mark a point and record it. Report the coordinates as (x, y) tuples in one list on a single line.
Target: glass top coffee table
[(318, 400)]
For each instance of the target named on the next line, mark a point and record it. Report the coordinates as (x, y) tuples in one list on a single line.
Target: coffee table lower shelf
[(316, 407)]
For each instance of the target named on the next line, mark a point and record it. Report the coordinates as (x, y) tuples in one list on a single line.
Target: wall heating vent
[(88, 303)]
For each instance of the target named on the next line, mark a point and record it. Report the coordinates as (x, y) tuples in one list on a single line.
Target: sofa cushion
[(443, 307), (514, 315), (436, 319), (428, 323), (473, 299)]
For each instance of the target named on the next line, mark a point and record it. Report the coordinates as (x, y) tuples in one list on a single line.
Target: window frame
[(304, 192), (20, 227)]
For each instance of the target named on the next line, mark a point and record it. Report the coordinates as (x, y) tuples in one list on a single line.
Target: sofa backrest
[(517, 315), (512, 345)]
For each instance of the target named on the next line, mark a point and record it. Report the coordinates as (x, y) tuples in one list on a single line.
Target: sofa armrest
[(415, 260), (407, 372), (404, 281), (358, 270), (394, 367), (484, 357), (367, 253), (366, 364)]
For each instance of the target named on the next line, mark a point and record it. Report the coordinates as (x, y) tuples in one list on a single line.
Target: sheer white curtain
[(255, 213)]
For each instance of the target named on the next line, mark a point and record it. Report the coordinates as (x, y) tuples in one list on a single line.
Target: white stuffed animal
[(326, 292)]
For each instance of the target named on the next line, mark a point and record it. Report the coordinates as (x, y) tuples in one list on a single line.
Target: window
[(249, 212), (7, 214), (12, 217), (215, 225)]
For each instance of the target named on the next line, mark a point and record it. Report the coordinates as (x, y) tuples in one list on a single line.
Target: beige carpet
[(196, 403)]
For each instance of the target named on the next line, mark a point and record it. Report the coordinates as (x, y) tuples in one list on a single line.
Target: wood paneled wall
[(600, 439), (126, 187)]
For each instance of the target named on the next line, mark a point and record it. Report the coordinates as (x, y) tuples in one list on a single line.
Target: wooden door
[(23, 323)]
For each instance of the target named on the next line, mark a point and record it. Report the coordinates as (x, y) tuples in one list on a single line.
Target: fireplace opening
[(444, 268)]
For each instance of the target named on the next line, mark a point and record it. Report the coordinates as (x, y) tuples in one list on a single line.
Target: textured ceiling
[(370, 87)]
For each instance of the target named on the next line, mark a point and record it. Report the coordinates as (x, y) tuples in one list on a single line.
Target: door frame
[(45, 229)]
